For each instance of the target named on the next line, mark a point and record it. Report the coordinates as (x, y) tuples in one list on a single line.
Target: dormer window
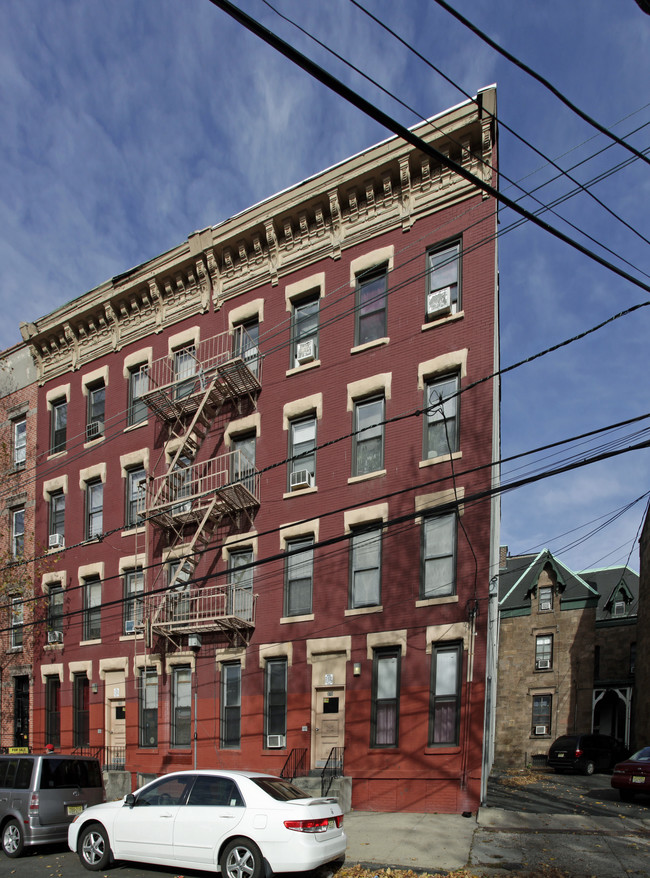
[(618, 607), (545, 599)]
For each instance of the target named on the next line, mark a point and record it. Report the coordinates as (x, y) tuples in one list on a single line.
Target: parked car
[(242, 823), (586, 753), (40, 796), (633, 775)]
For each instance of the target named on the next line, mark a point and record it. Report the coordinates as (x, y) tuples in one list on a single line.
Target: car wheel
[(13, 839), (241, 858), (588, 767), (93, 847), (626, 795)]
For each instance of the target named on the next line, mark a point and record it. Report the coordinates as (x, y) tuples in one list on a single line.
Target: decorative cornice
[(388, 186)]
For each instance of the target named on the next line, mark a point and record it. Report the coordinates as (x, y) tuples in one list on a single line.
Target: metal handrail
[(333, 768), (295, 765)]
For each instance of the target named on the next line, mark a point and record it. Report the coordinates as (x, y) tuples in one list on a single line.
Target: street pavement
[(572, 824)]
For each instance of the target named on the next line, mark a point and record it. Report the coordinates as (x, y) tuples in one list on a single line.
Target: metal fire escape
[(186, 391)]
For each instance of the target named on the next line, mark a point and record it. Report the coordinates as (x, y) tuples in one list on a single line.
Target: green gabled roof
[(519, 578), (610, 583)]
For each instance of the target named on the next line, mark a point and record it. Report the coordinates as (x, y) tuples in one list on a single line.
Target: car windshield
[(281, 790), (642, 755)]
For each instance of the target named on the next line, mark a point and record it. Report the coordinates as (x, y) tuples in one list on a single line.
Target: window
[(80, 713), (275, 701), (299, 574), (58, 425), (133, 594), (53, 711), (368, 449), (544, 652), (92, 595), (138, 386), (441, 435), (371, 301), (135, 495), (444, 718), (365, 568), (545, 599), (240, 584), (231, 704), (96, 406), (20, 443), (304, 330), (94, 509), (384, 722), (542, 714), (618, 607), (443, 293), (148, 708), (242, 459), (17, 622), (181, 706), (57, 520), (439, 556), (246, 344), (185, 368), (302, 454), (55, 614), (18, 532)]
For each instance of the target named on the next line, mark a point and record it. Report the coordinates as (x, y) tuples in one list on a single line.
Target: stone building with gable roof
[(566, 654)]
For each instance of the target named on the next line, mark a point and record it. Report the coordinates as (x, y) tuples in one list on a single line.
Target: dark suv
[(41, 795), (585, 753)]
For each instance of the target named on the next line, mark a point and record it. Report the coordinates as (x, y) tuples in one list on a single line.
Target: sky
[(126, 126)]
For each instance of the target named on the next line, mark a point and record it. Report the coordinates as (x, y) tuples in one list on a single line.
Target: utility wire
[(409, 136), (537, 76), (448, 508), (499, 120)]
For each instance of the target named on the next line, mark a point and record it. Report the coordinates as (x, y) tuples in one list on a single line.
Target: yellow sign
[(14, 751)]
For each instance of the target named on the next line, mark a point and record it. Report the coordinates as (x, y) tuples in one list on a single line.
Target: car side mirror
[(129, 800)]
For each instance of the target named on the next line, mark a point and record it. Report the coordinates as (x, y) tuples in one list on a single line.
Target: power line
[(499, 120), (409, 136), (537, 76)]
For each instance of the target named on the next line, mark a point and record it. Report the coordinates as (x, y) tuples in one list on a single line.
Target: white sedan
[(242, 823)]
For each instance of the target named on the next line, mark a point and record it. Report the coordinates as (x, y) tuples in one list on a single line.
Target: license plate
[(75, 809), (561, 755), (331, 823), (637, 779)]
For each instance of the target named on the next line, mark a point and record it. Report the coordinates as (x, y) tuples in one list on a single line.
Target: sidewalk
[(496, 839)]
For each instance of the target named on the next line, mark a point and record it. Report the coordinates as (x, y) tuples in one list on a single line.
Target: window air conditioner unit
[(306, 351), (55, 636), (543, 664), (302, 478), (275, 741), (540, 730), (545, 605), (94, 430), (439, 302), (251, 353), (129, 626), (56, 541)]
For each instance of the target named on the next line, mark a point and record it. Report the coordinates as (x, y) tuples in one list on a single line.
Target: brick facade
[(378, 648)]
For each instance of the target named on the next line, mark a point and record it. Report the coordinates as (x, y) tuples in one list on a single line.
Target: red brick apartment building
[(18, 610), (260, 455)]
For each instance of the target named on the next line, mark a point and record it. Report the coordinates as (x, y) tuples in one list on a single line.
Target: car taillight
[(307, 825), (33, 802), (578, 752)]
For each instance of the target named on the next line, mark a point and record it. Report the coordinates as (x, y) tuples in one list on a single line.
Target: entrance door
[(329, 727), (21, 711), (117, 732)]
